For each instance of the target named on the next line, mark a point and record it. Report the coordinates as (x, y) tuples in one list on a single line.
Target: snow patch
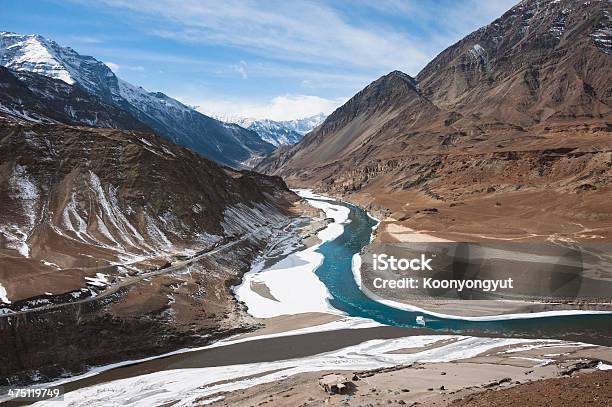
[(477, 52), (23, 190), (602, 35), (70, 214), (4, 295), (604, 366), (50, 264), (188, 385), (296, 270), (356, 268), (100, 280)]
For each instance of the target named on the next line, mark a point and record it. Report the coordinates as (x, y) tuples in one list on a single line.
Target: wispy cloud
[(86, 39), (295, 31), (319, 32), (113, 66), (241, 68), (116, 67), (296, 49), (285, 107)]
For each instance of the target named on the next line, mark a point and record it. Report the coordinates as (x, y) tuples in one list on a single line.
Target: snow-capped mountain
[(227, 144), (305, 125), (37, 98), (276, 132), (94, 206)]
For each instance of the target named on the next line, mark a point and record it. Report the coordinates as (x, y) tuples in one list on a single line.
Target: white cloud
[(85, 39), (113, 66), (285, 107), (302, 48), (241, 68)]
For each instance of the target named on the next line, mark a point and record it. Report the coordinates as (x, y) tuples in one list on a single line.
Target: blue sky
[(275, 59)]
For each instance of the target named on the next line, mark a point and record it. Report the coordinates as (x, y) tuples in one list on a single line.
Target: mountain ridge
[(168, 117), (517, 111), (277, 132), (35, 97)]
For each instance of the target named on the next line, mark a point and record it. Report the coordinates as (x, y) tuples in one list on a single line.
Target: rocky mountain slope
[(227, 144), (108, 232), (75, 197), (507, 132), (39, 98), (124, 232)]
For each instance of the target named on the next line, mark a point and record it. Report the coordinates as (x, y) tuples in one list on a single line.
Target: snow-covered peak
[(235, 119), (149, 102), (306, 124), (230, 145), (34, 53), (276, 132)]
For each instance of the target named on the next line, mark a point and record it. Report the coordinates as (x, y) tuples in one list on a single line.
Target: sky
[(260, 59)]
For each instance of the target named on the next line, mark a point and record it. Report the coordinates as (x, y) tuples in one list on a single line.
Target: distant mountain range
[(277, 133), (225, 143)]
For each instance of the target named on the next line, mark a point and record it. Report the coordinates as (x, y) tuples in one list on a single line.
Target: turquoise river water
[(336, 274)]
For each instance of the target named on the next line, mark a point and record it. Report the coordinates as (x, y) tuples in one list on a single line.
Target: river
[(336, 274), (317, 279)]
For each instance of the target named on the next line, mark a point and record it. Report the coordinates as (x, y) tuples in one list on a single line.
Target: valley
[(441, 238), (291, 353), (443, 152)]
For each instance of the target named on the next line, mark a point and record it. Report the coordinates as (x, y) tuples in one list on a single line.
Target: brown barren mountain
[(118, 244), (506, 133)]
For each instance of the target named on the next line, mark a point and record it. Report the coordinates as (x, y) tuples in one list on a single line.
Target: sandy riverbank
[(590, 292)]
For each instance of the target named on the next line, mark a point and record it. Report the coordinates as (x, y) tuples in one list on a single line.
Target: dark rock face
[(29, 95)]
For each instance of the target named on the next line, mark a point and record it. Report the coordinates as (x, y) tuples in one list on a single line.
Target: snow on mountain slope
[(78, 197), (38, 98), (306, 124), (34, 53), (276, 132), (168, 117), (30, 53)]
